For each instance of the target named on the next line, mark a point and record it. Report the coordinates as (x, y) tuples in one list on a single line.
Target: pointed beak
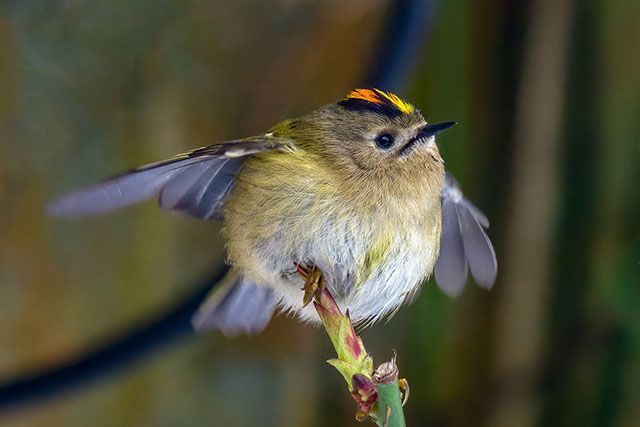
[(430, 130), (425, 133)]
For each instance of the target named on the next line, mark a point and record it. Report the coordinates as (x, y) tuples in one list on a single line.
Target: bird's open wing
[(195, 182), (464, 245)]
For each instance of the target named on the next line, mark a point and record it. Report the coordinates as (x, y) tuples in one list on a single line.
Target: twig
[(378, 393)]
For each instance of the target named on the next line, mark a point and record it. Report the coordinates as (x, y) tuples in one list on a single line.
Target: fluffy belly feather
[(372, 264)]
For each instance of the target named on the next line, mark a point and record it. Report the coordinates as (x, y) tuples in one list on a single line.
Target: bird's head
[(374, 135)]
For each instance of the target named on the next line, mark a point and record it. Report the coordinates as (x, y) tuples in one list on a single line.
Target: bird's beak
[(425, 133), (430, 130)]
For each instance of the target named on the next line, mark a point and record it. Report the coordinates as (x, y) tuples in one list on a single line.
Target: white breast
[(338, 248)]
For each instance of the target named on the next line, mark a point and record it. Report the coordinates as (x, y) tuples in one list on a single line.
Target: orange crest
[(381, 98)]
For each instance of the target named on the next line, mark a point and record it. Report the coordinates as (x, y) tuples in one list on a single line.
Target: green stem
[(389, 397), (376, 392)]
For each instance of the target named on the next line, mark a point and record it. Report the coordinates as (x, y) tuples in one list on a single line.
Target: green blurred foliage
[(547, 95)]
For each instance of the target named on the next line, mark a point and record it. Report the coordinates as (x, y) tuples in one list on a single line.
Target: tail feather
[(237, 306)]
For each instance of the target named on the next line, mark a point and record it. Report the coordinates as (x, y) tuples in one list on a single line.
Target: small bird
[(356, 188)]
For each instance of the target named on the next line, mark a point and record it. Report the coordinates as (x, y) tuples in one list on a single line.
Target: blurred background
[(547, 97)]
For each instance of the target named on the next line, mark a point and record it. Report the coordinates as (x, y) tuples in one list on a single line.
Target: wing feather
[(464, 244), (184, 181), (195, 182), (478, 249), (209, 201), (451, 269)]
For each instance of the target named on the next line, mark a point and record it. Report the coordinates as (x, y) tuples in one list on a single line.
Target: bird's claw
[(313, 282)]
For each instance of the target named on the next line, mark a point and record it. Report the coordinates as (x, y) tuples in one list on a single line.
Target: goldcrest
[(356, 188)]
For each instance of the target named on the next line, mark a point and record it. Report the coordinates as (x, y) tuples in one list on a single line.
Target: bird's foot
[(313, 282)]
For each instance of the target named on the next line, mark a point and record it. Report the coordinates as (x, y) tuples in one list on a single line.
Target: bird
[(357, 189)]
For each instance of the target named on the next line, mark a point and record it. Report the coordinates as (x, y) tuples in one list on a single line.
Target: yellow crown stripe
[(405, 107)]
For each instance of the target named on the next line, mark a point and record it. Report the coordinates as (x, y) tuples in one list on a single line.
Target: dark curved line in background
[(123, 351), (402, 38)]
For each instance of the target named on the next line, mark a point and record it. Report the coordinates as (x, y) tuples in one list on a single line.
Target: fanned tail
[(236, 306)]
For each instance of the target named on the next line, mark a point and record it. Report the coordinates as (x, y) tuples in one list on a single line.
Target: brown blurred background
[(547, 97)]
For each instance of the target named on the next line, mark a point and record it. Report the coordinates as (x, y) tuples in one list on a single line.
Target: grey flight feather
[(117, 192), (207, 193), (464, 244), (182, 182), (451, 267), (236, 306), (195, 182), (478, 249)]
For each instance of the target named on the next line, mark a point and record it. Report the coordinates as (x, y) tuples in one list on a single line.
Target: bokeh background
[(547, 97)]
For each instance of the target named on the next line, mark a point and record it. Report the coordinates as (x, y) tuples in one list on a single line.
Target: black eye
[(385, 141)]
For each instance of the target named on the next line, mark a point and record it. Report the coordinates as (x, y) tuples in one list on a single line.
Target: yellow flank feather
[(376, 255)]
